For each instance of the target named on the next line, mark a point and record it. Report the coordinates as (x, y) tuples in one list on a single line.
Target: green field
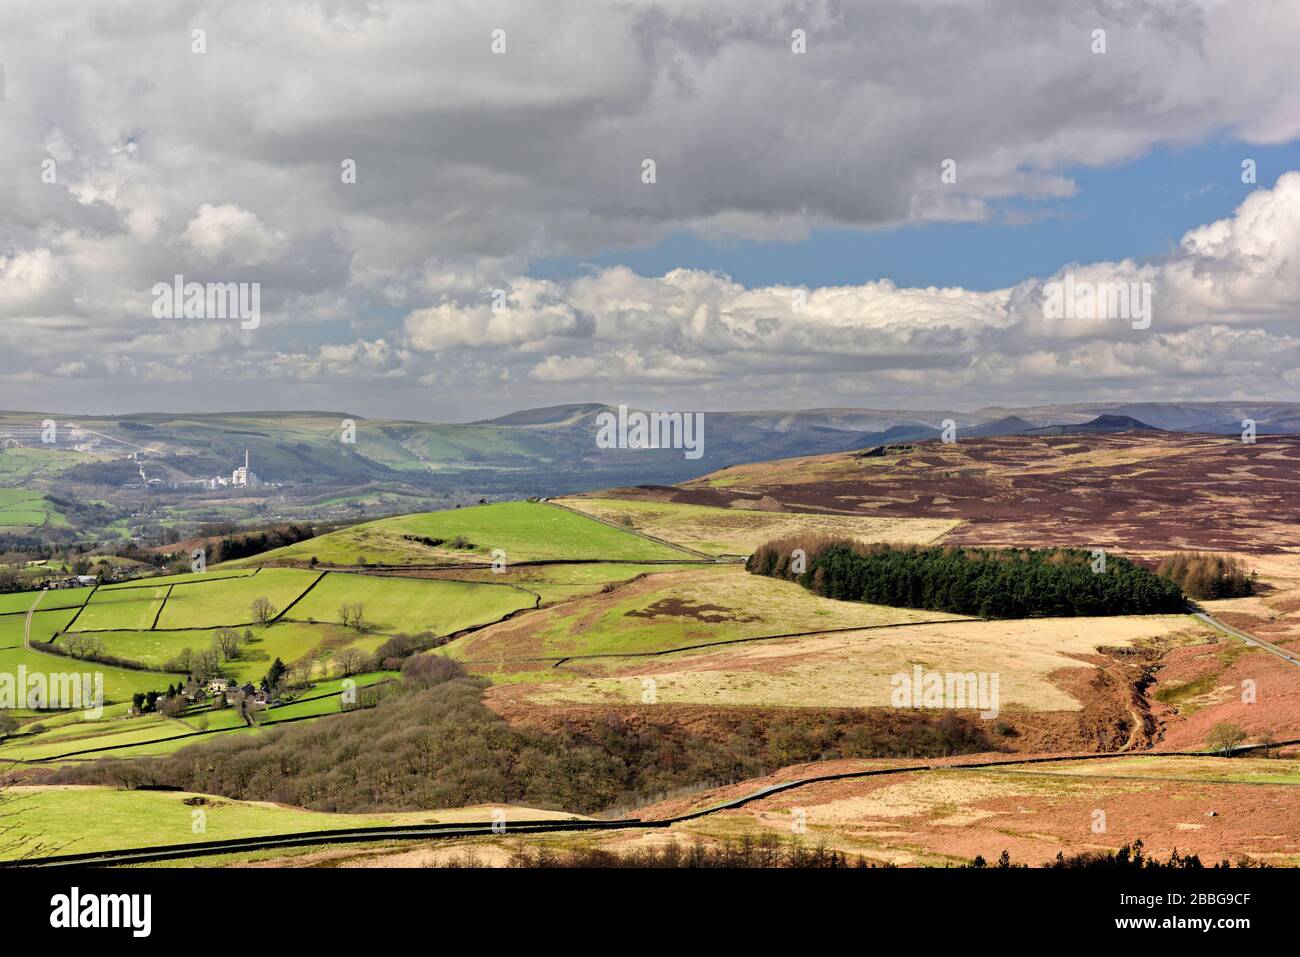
[(19, 507), (525, 531), (56, 598), (559, 583), (671, 609), (18, 465), (288, 641), (73, 820), (119, 683), (411, 604), (208, 576), (120, 608), (117, 735), (122, 616), (213, 604)]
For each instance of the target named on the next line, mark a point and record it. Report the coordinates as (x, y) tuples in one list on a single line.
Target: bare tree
[(349, 662), (263, 610), (1268, 741), (300, 672), (228, 642), (205, 664), (353, 615), (1225, 736)]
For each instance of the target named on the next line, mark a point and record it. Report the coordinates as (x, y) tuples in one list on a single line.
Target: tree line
[(986, 582), (430, 742), (254, 543), (1208, 574)]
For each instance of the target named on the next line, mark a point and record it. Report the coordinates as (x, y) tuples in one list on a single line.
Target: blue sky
[(1138, 209)]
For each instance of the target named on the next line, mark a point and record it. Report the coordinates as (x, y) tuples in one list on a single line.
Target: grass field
[(558, 583), (118, 736), (854, 669), (119, 683), (288, 641), (19, 507), (119, 608), (411, 604), (19, 602), (738, 531), (667, 610), (211, 604), (185, 578), (525, 531), (85, 819), (17, 465)]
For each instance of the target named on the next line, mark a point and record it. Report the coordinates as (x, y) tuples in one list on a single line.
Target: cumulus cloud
[(471, 166), (228, 232), (619, 330)]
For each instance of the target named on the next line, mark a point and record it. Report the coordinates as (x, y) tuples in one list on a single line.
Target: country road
[(1268, 646), (27, 624)]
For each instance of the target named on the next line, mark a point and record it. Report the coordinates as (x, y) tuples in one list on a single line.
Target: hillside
[(619, 652), (141, 475), (1136, 490)]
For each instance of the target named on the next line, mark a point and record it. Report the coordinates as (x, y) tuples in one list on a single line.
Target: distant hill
[(332, 475), (1102, 424)]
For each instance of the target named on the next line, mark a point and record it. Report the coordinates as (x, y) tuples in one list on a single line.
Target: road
[(1268, 646), (27, 624)]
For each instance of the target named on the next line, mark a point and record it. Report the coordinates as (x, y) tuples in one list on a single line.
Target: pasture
[(411, 604), (19, 508), (83, 819), (855, 669), (672, 609), (121, 608), (525, 531), (738, 531), (228, 602), (119, 683)]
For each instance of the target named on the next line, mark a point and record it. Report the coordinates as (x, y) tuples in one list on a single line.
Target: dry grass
[(668, 610), (738, 531), (853, 669)]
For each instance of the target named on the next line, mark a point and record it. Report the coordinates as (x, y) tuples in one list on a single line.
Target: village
[(216, 693)]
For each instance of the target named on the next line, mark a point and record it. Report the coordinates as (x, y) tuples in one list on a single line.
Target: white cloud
[(225, 166), (228, 232)]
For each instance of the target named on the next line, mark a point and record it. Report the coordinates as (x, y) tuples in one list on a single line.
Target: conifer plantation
[(986, 582)]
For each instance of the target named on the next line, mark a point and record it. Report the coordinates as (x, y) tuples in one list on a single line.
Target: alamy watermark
[(921, 688), (56, 691), (213, 300), (651, 430), (1081, 299)]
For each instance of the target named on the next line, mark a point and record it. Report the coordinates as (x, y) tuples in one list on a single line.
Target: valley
[(623, 622)]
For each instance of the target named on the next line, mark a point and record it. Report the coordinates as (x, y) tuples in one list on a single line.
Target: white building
[(243, 476)]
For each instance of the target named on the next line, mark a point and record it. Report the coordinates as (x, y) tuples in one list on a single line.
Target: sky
[(450, 211)]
